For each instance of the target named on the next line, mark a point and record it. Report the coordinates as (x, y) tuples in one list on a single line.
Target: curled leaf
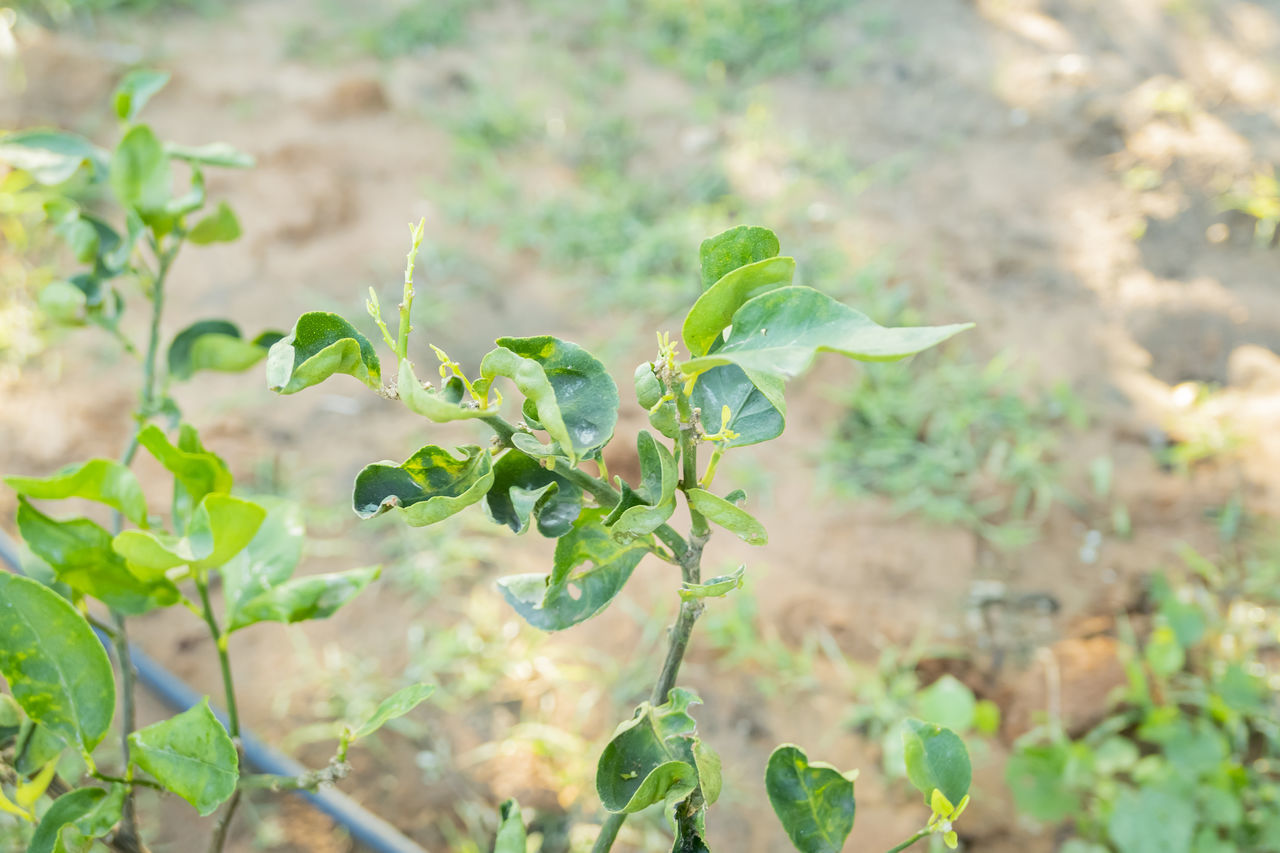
[(320, 345), (429, 486)]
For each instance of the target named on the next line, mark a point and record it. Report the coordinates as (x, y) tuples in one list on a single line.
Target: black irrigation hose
[(365, 827)]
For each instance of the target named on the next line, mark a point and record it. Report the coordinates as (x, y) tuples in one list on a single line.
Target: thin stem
[(224, 660), (406, 303), (120, 780), (503, 429), (126, 837), (689, 556), (912, 840), (219, 838)]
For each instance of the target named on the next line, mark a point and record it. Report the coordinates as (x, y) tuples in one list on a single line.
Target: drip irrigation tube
[(365, 827)]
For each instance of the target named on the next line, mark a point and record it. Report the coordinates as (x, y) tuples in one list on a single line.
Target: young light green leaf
[(568, 390), (649, 394), (196, 471), (266, 562), (320, 345), (212, 154), (311, 597), (717, 587), (79, 552), (814, 801), (644, 509), (221, 226), (103, 480), (56, 668), (568, 595), (737, 247), (716, 306), (779, 334), (50, 156), (511, 833), (220, 528), (136, 89), (429, 486), (216, 345), (650, 758), (63, 302), (523, 490), (191, 755), (947, 703), (397, 704), (936, 758), (140, 174), (440, 406), (67, 810), (737, 521), (752, 414)]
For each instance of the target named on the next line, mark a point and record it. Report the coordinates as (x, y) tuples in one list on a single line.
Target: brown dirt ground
[(1020, 119)]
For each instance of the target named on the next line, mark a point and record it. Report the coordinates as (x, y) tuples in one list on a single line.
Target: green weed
[(965, 444)]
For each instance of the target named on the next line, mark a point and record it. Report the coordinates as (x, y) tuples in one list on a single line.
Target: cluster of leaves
[(61, 681), (1187, 762), (750, 331), (67, 175), (957, 443)]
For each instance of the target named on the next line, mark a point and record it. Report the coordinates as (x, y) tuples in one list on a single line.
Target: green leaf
[(523, 490), (429, 486), (311, 597), (570, 595), (320, 345), (814, 801), (103, 480), (752, 415), (734, 248), (646, 508), (140, 174), (221, 226), (936, 758), (707, 762), (213, 154), (35, 747), (50, 156), (1163, 653), (396, 705), (1152, 820), (216, 345), (947, 703), (191, 755), (55, 666), (1037, 777), (441, 406), (737, 521), (80, 554), (196, 471), (650, 758), (63, 302), (779, 334), (67, 810), (715, 308), (572, 395), (717, 587), (220, 529), (266, 562), (649, 391), (136, 89), (511, 834)]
